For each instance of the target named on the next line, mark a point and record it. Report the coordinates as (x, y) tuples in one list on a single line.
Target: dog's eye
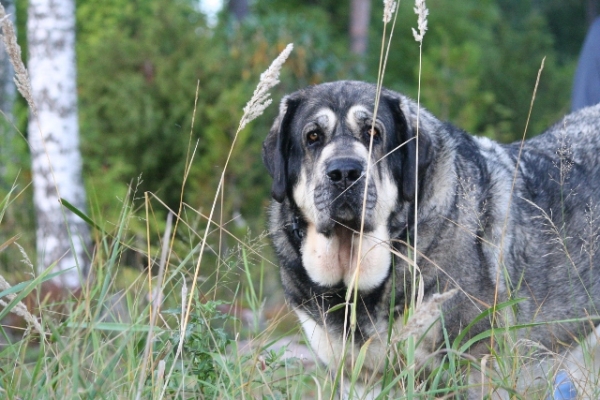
[(313, 137), (373, 132)]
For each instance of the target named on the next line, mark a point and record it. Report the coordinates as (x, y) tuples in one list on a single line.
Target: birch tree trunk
[(7, 96), (54, 140)]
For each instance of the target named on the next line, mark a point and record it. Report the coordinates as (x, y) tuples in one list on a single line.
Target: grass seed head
[(388, 10), (14, 54), (422, 12), (261, 98)]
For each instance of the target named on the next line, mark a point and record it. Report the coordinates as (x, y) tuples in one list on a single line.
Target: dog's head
[(318, 151)]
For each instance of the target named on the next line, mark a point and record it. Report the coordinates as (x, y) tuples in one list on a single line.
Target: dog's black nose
[(344, 171)]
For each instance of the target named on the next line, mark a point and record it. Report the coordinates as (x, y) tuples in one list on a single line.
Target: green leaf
[(360, 360), (484, 314), (113, 327), (339, 306), (80, 214), (9, 242), (27, 287)]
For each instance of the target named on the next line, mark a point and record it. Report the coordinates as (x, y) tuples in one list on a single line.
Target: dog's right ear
[(406, 130), (276, 147)]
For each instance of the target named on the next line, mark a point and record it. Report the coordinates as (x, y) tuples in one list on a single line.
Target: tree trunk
[(239, 8), (61, 236), (7, 97), (7, 85), (360, 12)]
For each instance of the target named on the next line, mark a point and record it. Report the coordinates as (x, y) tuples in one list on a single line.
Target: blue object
[(563, 388), (586, 85)]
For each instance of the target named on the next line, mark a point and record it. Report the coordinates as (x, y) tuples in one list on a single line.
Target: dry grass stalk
[(184, 296), (14, 54), (25, 259), (258, 103), (424, 316), (388, 10), (261, 98), (422, 11), (20, 309), (156, 299)]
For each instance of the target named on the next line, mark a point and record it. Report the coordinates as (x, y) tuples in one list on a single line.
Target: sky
[(211, 8)]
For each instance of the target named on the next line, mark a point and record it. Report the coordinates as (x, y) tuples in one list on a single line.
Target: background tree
[(7, 98), (360, 15), (62, 237), (238, 8)]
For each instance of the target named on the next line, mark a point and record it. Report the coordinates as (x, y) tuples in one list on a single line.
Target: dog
[(364, 180)]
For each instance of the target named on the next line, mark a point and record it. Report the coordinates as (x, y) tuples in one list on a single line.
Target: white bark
[(54, 140), (7, 95)]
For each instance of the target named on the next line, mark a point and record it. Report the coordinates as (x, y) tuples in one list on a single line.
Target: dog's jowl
[(494, 223)]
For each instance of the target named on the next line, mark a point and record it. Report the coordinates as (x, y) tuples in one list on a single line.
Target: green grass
[(107, 344), (226, 338)]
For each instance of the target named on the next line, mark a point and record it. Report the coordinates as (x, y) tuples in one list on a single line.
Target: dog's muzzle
[(342, 193), (344, 172)]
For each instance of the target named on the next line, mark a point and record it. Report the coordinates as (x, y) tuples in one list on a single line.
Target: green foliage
[(137, 87), (206, 365), (94, 345), (480, 62), (139, 68), (202, 344), (566, 19)]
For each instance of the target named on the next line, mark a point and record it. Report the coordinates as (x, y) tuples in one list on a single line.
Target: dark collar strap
[(296, 230)]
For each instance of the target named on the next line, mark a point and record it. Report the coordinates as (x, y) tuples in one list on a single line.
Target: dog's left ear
[(406, 132), (276, 147)]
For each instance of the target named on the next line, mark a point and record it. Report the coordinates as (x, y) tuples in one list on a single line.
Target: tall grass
[(201, 326), (146, 336), (152, 337)]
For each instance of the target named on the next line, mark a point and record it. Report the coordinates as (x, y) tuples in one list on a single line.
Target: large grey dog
[(495, 222)]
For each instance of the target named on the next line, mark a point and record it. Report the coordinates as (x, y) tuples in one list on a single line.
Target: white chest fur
[(332, 260)]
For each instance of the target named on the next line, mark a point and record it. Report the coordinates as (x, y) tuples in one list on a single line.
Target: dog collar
[(296, 228)]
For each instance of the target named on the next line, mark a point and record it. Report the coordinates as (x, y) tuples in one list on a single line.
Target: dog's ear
[(406, 132), (276, 147)]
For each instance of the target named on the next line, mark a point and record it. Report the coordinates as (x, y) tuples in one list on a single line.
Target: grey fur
[(482, 228)]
